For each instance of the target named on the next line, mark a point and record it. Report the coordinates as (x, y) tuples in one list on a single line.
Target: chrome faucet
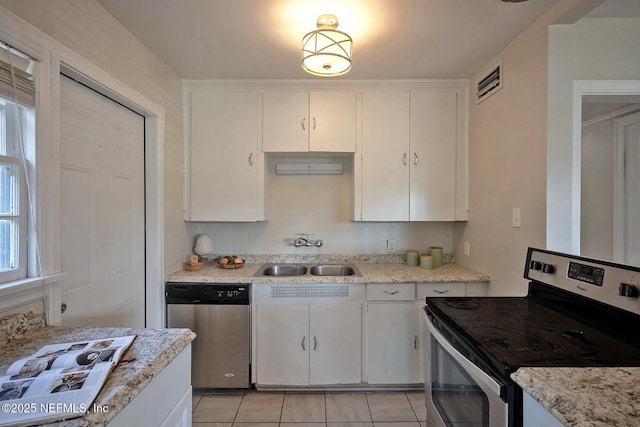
[(304, 241)]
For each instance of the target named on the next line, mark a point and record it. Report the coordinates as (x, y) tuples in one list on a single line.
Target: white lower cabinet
[(534, 414), (393, 343), (309, 344)]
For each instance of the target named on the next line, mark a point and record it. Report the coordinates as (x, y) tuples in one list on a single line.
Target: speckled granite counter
[(150, 353), (585, 397), (372, 272)]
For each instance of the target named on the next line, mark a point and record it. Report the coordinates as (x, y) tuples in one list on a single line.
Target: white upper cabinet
[(385, 156), (410, 146), (226, 167), (301, 121), (432, 152)]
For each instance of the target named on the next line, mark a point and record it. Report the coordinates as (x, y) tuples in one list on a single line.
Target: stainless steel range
[(578, 312)]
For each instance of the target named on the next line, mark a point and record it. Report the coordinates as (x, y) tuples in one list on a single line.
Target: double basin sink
[(289, 270)]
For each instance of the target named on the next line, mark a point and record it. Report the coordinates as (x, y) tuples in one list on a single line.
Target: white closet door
[(102, 209)]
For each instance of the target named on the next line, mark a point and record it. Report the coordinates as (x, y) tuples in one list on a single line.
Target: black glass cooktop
[(507, 333)]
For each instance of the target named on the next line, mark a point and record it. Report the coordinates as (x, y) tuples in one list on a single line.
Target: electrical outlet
[(516, 218), (467, 248), (391, 245)]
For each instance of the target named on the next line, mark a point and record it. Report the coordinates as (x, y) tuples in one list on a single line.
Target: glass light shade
[(326, 52)]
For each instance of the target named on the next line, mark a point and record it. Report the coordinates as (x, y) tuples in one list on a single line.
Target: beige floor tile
[(303, 408), (347, 407), (216, 408), (196, 395), (255, 424), (263, 407), (416, 398), (303, 425), (212, 424), (349, 424), (390, 407), (397, 424)]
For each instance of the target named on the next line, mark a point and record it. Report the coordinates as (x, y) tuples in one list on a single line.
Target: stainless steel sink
[(332, 270), (292, 270), (283, 270)]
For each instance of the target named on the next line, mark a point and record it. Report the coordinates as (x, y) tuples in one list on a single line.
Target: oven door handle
[(472, 369)]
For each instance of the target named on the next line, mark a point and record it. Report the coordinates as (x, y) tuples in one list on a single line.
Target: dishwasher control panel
[(207, 293)]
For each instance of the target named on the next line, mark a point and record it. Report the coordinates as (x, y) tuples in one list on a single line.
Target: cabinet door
[(335, 344), (433, 156), (332, 122), (282, 351), (285, 121), (385, 156), (393, 343), (223, 156)]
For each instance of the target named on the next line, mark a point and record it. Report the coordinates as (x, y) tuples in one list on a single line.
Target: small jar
[(412, 257), (436, 253), (426, 262)]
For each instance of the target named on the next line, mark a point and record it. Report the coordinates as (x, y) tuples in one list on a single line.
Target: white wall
[(86, 28), (591, 49), (320, 204), (507, 161)]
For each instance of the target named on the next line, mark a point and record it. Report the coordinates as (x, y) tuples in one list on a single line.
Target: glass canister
[(412, 257), (426, 262), (436, 253)]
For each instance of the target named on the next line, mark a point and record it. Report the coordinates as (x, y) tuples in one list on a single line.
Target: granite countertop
[(585, 397), (150, 353), (372, 272)]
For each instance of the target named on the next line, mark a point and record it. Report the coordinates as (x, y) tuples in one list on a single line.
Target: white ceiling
[(393, 39)]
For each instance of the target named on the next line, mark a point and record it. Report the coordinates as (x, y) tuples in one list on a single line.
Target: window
[(16, 137)]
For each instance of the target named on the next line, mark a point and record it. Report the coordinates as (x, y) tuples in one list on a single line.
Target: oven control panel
[(586, 273), (607, 282)]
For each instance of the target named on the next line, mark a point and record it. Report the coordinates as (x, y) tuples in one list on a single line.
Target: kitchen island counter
[(151, 352), (593, 397), (371, 273)]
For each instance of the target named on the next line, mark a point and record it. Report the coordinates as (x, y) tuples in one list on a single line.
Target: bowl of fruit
[(231, 261)]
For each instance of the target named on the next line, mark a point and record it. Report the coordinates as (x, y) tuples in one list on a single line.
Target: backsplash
[(322, 205), (330, 258), (18, 324)]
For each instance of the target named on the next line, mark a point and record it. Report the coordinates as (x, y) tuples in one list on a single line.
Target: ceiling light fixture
[(326, 52)]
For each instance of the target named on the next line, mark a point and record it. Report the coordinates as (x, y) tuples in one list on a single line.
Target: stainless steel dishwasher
[(220, 315)]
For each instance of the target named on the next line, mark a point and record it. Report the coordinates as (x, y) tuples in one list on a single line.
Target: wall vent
[(489, 84)]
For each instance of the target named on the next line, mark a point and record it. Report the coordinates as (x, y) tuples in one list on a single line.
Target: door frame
[(619, 198), (571, 225), (76, 67)]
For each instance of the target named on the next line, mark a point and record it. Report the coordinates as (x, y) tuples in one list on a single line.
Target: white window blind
[(22, 70)]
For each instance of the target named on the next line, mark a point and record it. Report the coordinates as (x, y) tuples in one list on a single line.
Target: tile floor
[(312, 409)]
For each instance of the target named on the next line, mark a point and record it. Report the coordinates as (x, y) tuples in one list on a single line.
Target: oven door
[(458, 393)]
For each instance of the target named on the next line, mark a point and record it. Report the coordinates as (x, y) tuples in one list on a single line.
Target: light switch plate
[(516, 218)]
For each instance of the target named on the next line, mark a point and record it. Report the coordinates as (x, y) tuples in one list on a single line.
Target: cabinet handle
[(303, 119), (415, 159), (404, 159), (390, 293), (441, 292), (251, 159), (315, 343), (314, 123), (415, 342), (304, 339)]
